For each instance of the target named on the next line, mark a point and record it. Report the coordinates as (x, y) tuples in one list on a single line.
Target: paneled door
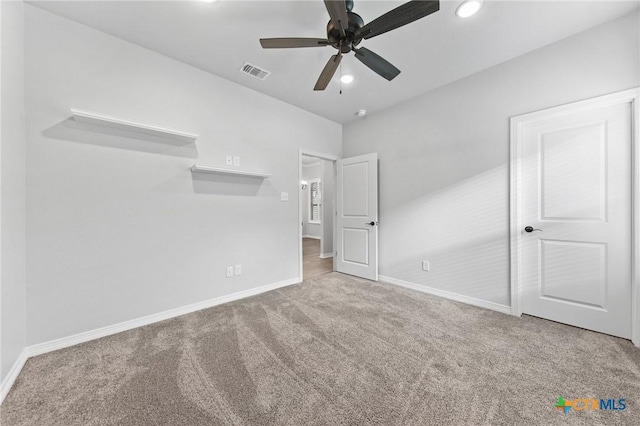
[(357, 221), (575, 216)]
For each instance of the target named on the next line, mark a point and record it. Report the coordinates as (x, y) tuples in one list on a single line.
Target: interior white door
[(357, 216), (576, 179)]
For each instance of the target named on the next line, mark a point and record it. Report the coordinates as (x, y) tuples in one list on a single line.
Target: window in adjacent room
[(315, 196)]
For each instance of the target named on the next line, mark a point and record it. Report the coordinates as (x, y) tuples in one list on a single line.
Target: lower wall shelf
[(215, 170)]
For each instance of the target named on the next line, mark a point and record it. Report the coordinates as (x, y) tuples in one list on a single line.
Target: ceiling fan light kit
[(346, 79), (346, 29), (468, 8)]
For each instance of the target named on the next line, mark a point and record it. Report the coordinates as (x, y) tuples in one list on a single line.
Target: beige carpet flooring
[(333, 351)]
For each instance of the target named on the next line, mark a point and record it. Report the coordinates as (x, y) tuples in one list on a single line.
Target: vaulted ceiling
[(220, 37)]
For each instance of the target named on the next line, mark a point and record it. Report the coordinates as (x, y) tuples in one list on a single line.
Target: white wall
[(12, 191), (444, 177), (117, 227), (310, 171)]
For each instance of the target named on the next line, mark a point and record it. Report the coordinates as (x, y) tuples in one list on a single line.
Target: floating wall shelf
[(206, 169), (131, 126)]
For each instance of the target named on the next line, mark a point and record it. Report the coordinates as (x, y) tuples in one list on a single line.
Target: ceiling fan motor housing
[(345, 43), (346, 30)]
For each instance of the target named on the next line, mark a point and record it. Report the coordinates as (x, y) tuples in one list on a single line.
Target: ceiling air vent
[(254, 71)]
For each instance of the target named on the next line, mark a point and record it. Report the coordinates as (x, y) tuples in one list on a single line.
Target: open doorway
[(316, 213)]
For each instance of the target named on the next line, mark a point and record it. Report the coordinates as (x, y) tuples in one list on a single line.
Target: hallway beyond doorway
[(313, 264)]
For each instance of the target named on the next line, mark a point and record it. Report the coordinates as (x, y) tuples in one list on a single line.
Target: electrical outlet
[(425, 266), (229, 271), (229, 160), (236, 161), (284, 196), (238, 269)]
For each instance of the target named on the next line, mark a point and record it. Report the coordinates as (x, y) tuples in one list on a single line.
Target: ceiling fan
[(346, 30)]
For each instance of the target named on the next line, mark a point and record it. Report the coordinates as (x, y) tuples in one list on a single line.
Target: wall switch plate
[(236, 161), (425, 266), (284, 196), (229, 160), (238, 269), (229, 271)]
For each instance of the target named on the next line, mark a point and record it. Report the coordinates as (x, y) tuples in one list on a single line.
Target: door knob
[(531, 229), (372, 223)]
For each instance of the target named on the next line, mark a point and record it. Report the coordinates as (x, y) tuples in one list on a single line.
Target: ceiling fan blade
[(338, 12), (285, 43), (328, 72), (377, 63), (396, 18)]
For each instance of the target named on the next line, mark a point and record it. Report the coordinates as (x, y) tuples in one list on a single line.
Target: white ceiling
[(431, 52)]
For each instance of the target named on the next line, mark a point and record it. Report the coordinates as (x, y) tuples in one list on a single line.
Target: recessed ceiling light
[(468, 8), (346, 79), (209, 1), (361, 112)]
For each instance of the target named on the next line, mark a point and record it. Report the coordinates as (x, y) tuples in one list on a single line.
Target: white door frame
[(627, 96), (322, 156)]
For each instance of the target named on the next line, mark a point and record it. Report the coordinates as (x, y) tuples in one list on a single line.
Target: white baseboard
[(326, 255), (86, 336), (313, 237), (448, 295), (8, 381)]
